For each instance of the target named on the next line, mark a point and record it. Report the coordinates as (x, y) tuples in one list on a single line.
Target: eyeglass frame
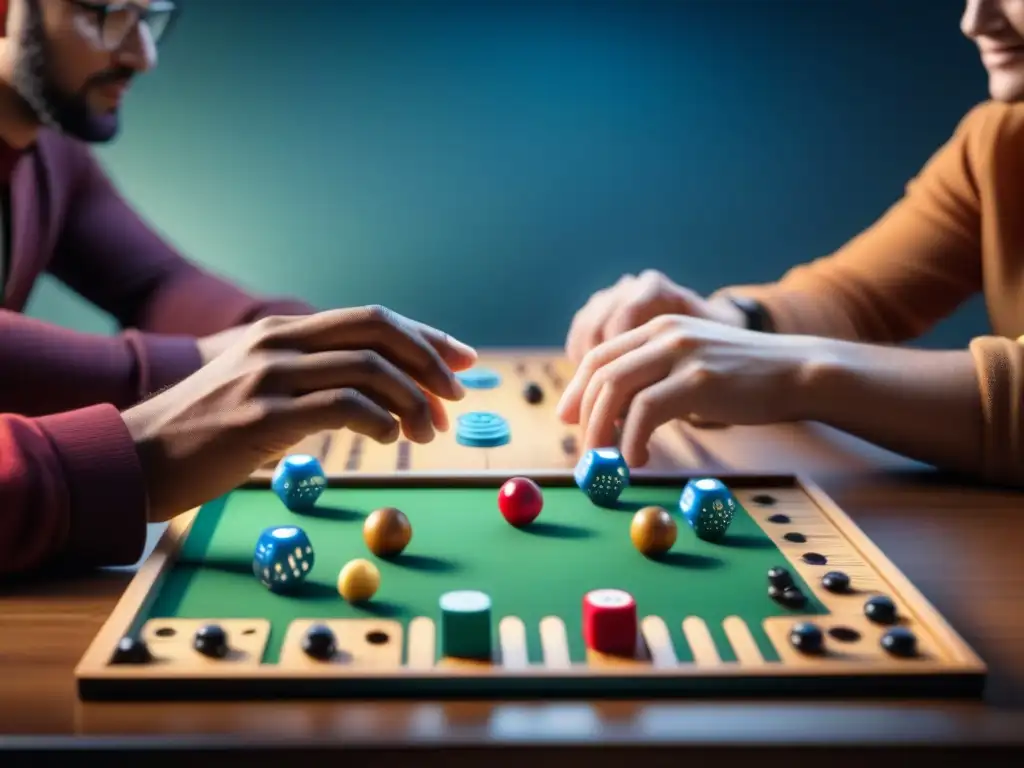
[(102, 10)]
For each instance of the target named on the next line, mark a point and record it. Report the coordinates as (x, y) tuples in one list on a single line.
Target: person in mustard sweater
[(825, 342)]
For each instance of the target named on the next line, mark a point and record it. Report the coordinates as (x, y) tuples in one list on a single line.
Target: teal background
[(486, 165)]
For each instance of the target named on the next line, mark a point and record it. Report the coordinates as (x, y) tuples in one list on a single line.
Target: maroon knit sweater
[(71, 489)]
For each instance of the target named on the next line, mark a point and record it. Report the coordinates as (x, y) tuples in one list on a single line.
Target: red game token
[(610, 622), (520, 501)]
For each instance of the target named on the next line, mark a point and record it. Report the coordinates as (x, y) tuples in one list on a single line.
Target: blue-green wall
[(486, 165)]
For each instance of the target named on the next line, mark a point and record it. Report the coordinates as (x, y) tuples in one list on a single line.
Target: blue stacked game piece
[(299, 481), (708, 507), (283, 558), (603, 475), (479, 378), (482, 429)]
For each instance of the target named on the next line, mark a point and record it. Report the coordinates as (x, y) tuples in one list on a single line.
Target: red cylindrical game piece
[(610, 623), (520, 501)]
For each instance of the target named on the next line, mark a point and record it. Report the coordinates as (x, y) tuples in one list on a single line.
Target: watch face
[(753, 311)]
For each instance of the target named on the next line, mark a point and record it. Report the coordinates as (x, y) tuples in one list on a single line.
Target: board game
[(480, 584)]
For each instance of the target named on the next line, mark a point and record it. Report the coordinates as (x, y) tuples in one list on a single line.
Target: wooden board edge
[(728, 681), (556, 477), (897, 580), (537, 671), (96, 658)]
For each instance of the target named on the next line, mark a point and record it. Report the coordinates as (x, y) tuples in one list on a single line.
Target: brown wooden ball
[(387, 532), (653, 531)]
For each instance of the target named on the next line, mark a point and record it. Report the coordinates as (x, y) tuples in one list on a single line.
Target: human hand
[(676, 367), (633, 301), (368, 369), (216, 344)]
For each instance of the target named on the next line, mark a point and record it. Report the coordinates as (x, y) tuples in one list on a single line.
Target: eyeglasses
[(115, 21)]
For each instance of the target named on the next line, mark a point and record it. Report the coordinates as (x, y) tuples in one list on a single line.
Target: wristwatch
[(757, 317)]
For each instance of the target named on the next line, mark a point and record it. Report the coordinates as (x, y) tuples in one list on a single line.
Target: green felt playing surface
[(461, 541)]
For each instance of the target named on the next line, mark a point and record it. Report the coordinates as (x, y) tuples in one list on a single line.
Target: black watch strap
[(757, 316)]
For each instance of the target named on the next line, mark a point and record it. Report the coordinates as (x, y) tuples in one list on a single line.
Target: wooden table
[(962, 546)]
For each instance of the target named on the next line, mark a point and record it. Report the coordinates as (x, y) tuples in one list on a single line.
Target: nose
[(138, 52), (981, 17)]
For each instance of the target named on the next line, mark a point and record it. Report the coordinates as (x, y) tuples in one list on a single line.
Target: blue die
[(283, 559), (298, 481), (602, 474), (708, 507)]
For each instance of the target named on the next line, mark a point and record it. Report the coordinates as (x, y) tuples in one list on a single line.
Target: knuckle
[(369, 362), (270, 323), (253, 413), (643, 407), (421, 409), (417, 405), (667, 324), (269, 374), (653, 277), (379, 315), (603, 381), (347, 401), (610, 387), (702, 375), (627, 279), (263, 332), (588, 366)]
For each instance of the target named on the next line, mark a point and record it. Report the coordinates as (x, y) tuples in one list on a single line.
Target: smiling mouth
[(1003, 55)]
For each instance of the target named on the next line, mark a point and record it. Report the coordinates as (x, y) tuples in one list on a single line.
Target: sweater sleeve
[(72, 492), (107, 254), (909, 270), (41, 359), (999, 363)]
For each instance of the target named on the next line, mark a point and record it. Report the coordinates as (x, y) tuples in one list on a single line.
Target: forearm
[(49, 369), (925, 405), (189, 300)]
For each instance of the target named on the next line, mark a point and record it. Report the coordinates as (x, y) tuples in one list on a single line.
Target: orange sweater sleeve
[(906, 272), (958, 230)]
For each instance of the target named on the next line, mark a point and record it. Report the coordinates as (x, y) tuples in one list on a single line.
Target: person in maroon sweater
[(79, 479)]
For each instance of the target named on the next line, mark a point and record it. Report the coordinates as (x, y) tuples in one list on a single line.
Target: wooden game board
[(704, 632), (539, 439)]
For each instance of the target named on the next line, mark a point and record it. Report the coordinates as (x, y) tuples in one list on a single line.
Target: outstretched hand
[(677, 367), (366, 369)]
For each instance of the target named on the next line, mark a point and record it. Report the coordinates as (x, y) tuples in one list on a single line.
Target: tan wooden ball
[(358, 581), (387, 532), (653, 531)]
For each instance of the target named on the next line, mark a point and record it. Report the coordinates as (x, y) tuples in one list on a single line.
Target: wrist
[(743, 312), (820, 377), (727, 312)]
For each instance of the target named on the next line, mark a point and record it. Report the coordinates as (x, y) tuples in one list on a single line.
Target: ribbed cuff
[(1000, 365), (108, 500), (162, 360)]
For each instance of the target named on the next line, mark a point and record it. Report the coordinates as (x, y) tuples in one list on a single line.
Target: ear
[(4, 7)]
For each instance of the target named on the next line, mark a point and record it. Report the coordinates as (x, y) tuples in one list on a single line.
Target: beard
[(47, 103)]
